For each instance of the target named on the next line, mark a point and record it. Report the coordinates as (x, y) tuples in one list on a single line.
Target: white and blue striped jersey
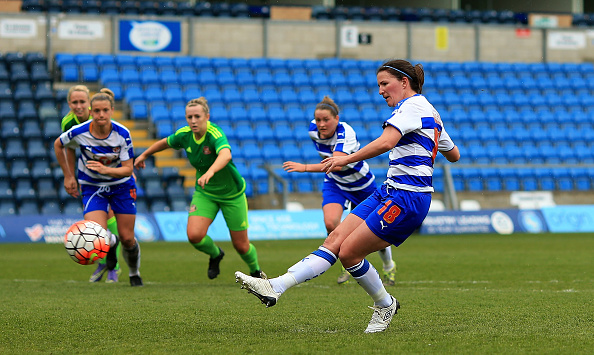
[(411, 160), (111, 151), (354, 176)]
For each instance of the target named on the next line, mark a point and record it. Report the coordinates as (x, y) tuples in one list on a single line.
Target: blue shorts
[(331, 193), (392, 214), (121, 198)]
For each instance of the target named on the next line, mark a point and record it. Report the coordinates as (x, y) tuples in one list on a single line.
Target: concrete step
[(189, 174), (171, 162), (138, 134), (143, 143)]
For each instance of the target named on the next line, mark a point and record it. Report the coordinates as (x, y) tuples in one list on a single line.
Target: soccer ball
[(86, 242)]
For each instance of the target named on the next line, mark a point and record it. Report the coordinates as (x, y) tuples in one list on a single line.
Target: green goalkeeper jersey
[(69, 121), (226, 183)]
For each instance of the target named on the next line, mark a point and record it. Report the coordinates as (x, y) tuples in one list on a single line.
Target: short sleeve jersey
[(355, 176), (69, 121), (411, 161), (111, 151), (226, 183)]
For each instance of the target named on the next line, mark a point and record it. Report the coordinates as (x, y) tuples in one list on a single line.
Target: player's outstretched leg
[(258, 287), (269, 290)]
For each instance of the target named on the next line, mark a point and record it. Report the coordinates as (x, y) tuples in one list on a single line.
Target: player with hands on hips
[(413, 135), (343, 187)]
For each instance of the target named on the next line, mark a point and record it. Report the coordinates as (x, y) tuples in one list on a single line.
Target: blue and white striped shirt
[(411, 160), (111, 151), (354, 176)]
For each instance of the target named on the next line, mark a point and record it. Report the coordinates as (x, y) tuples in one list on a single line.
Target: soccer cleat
[(344, 277), (382, 316), (390, 277), (136, 280), (260, 288), (112, 276), (213, 265), (98, 274), (259, 274)]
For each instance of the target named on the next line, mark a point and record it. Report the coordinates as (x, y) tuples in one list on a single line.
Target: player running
[(219, 186), (105, 167), (78, 98)]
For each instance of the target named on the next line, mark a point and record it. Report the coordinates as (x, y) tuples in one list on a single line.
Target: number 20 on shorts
[(391, 213)]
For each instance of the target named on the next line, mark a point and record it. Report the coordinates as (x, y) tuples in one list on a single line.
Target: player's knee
[(195, 236), (127, 240), (241, 246), (348, 257), (330, 226)]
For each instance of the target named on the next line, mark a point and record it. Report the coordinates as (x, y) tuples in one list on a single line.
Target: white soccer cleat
[(382, 316), (260, 288)]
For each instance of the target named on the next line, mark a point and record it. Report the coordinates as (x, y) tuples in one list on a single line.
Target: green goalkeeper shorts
[(235, 211)]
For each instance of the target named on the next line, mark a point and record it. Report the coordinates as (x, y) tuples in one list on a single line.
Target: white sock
[(386, 256), (367, 276), (310, 267)]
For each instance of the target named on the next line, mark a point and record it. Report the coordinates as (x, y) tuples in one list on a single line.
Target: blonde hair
[(201, 101), (104, 95), (328, 104), (81, 88)]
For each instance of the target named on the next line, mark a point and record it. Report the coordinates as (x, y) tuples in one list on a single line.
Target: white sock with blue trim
[(308, 268), (367, 276)]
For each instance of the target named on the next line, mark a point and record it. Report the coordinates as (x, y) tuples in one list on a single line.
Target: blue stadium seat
[(46, 190), (28, 208), (6, 193), (36, 149), (7, 208)]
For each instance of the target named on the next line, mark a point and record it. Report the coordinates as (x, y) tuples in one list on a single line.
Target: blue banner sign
[(486, 221), (569, 219), (150, 36), (51, 229), (263, 225)]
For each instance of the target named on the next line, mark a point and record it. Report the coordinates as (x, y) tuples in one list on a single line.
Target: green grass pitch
[(465, 294)]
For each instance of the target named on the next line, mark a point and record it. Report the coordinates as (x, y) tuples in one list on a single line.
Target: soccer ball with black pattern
[(86, 242)]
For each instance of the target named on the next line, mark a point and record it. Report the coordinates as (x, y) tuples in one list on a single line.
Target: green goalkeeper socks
[(251, 259), (207, 246)]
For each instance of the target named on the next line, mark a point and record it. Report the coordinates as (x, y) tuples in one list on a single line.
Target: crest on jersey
[(116, 149), (206, 150)]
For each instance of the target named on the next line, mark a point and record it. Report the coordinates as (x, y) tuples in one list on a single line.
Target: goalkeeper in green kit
[(219, 186)]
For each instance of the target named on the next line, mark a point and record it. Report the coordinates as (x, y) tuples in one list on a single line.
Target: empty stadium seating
[(318, 12), (519, 119), (499, 113)]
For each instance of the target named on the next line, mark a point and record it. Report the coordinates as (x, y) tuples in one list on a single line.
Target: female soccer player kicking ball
[(343, 187), (413, 134)]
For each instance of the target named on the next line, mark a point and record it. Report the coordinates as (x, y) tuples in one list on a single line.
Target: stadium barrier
[(309, 224)]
